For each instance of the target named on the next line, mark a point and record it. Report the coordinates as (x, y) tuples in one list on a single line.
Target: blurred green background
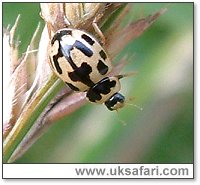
[(163, 131)]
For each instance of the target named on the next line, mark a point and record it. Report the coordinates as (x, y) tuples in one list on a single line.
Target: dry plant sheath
[(34, 100)]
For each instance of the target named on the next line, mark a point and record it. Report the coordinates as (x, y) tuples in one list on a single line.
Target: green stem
[(30, 115)]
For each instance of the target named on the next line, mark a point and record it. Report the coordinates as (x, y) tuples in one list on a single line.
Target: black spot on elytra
[(102, 68), (61, 51), (84, 49), (81, 74), (103, 55), (102, 87), (88, 39), (55, 61), (72, 87), (66, 49), (58, 36)]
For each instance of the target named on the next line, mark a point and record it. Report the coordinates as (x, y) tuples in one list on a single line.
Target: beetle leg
[(98, 31)]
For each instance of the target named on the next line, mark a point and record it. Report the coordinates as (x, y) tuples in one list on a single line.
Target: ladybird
[(81, 62)]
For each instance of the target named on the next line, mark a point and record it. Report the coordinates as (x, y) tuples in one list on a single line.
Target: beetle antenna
[(121, 121), (130, 99), (138, 107)]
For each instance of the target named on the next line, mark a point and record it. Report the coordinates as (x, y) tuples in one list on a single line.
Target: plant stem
[(30, 115)]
